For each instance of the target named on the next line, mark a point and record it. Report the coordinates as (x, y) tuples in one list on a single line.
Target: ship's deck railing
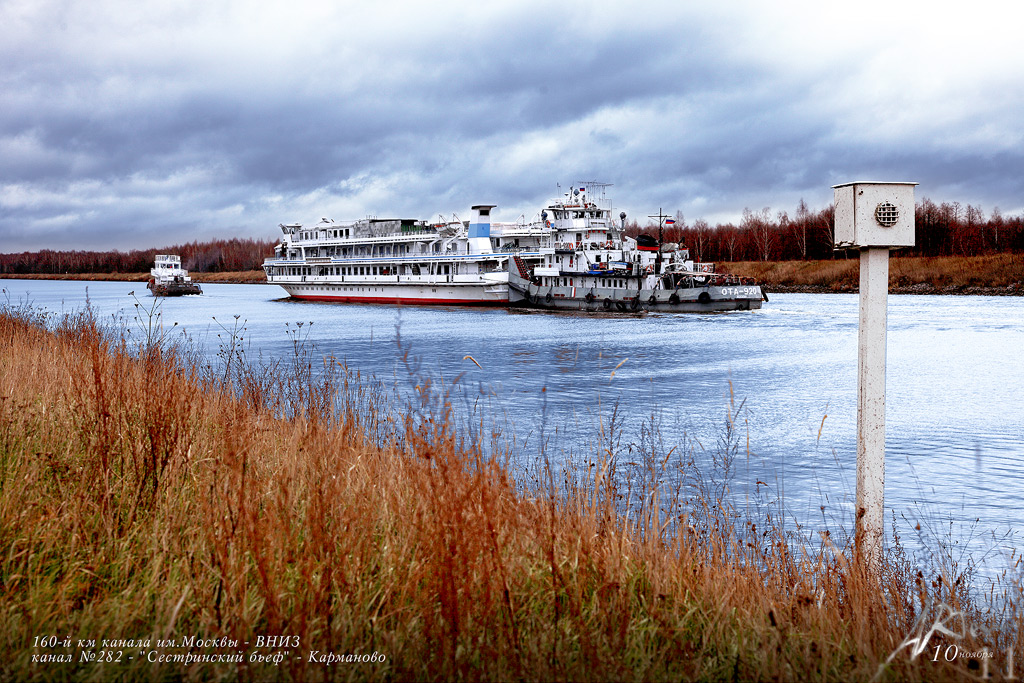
[(360, 259), (356, 280)]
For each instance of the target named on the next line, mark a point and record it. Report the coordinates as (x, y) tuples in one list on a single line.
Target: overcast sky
[(144, 124)]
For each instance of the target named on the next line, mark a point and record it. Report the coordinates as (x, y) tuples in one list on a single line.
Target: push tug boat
[(397, 261), (589, 264), (168, 278)]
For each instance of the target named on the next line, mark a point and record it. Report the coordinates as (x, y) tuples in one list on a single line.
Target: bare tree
[(996, 221), (731, 236), (701, 238), (799, 227), (975, 226), (760, 226), (827, 227)]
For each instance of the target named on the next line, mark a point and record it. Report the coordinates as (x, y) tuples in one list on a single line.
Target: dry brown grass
[(940, 273), (144, 497), (997, 270), (246, 277), (234, 277), (114, 277)]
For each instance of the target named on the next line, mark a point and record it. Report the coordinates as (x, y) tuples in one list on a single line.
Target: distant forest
[(200, 257), (947, 229)]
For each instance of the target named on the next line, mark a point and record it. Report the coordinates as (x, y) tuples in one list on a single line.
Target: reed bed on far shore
[(233, 277), (994, 274), (185, 512)]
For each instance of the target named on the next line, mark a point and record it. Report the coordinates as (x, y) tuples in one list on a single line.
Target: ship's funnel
[(480, 229)]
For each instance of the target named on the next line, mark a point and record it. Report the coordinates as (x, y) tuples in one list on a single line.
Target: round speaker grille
[(887, 214)]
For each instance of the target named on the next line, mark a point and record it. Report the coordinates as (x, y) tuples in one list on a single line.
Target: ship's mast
[(661, 223), (596, 192)]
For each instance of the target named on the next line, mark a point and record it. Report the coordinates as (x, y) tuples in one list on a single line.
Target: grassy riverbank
[(992, 275), (146, 496), (999, 274), (232, 277)]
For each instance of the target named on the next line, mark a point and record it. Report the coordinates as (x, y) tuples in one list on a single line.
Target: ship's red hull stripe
[(393, 300)]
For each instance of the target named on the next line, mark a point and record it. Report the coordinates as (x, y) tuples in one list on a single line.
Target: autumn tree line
[(947, 229), (200, 257)]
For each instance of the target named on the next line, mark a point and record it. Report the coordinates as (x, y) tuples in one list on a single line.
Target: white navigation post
[(873, 217)]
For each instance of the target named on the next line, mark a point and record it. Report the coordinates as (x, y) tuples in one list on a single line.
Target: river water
[(955, 406)]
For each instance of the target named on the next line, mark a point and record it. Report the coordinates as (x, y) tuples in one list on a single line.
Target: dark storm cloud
[(124, 129)]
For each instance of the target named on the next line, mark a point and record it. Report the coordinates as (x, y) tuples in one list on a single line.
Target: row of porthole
[(570, 282), (342, 289)]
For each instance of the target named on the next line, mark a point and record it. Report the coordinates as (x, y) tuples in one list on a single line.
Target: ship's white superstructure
[(588, 263), (393, 261)]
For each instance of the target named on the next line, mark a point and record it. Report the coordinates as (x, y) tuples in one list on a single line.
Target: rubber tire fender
[(607, 304), (704, 298)]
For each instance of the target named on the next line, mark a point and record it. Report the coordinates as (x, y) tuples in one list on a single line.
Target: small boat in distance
[(168, 278)]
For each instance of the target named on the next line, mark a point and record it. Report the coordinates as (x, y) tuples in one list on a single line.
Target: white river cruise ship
[(403, 261)]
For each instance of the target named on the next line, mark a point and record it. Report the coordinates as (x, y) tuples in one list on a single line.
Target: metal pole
[(874, 290)]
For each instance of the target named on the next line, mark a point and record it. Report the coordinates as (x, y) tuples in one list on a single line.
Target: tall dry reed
[(148, 495)]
